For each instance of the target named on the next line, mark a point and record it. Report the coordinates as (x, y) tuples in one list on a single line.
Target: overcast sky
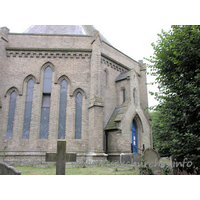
[(129, 26)]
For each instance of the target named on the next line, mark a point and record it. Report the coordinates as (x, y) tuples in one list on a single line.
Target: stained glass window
[(62, 113), (78, 120), (45, 111), (28, 108), (11, 115)]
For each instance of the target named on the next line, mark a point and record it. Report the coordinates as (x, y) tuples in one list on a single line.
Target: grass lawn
[(77, 171)]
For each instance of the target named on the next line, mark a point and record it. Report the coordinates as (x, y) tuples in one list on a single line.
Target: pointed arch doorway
[(134, 137)]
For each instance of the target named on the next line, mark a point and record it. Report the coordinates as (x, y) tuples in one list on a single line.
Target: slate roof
[(112, 125), (117, 116), (64, 30), (122, 111), (122, 76)]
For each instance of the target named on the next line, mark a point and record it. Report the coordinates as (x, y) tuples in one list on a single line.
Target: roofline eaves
[(43, 34)]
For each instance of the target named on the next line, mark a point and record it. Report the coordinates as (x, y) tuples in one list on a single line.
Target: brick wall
[(89, 66)]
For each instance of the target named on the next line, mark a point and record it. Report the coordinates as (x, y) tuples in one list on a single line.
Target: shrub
[(146, 170), (166, 170)]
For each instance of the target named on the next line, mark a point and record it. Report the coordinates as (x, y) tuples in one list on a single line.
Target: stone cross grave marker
[(61, 157), (152, 158)]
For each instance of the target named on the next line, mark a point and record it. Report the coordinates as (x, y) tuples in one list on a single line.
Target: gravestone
[(136, 157), (8, 170), (61, 157), (130, 158), (152, 158)]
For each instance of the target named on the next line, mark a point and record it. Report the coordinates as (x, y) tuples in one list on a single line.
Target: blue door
[(134, 138)]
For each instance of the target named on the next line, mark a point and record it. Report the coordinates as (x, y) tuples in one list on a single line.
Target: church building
[(67, 82)]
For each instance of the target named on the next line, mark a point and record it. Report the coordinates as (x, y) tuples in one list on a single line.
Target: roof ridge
[(56, 29)]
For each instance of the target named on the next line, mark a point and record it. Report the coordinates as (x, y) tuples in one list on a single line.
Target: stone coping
[(114, 154), (92, 154), (47, 49), (46, 34), (128, 153)]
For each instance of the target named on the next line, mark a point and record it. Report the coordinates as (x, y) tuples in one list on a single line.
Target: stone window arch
[(78, 89), (10, 90), (63, 77), (43, 68), (25, 82)]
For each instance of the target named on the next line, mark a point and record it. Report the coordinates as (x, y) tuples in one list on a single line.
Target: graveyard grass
[(29, 170)]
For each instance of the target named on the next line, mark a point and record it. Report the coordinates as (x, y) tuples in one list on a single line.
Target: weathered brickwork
[(90, 66)]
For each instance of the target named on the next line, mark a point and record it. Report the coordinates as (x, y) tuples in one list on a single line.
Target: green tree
[(176, 65), (160, 137)]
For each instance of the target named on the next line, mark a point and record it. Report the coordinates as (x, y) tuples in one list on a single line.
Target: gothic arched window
[(62, 113), (28, 108), (45, 110), (78, 120), (11, 115)]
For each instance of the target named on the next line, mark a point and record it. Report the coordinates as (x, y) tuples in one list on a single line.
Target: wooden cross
[(61, 157)]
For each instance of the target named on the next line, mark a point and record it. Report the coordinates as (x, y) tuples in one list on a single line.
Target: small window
[(124, 95), (134, 96), (106, 77)]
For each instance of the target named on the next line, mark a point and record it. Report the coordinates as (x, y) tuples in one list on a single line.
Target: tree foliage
[(176, 65)]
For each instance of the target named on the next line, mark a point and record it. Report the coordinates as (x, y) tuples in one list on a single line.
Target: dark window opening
[(124, 95), (134, 96)]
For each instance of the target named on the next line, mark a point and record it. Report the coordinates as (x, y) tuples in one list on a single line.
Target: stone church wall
[(81, 61), (23, 62)]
